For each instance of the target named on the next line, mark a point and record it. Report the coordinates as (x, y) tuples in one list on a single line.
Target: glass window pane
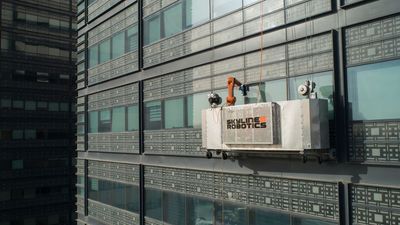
[(105, 121), (199, 211), (153, 205), (104, 49), (133, 118), (174, 113), (197, 12), (223, 93), (30, 105), (275, 90), (230, 213), (5, 103), (152, 30), (93, 122), (42, 105), (222, 7), (195, 104), (153, 115), (132, 39), (17, 164), (17, 134), (307, 221), (118, 45), (174, 208), (118, 119), (173, 20), (264, 217), (248, 2), (30, 134), (93, 56), (53, 106), (64, 107), (18, 104), (324, 87), (373, 90)]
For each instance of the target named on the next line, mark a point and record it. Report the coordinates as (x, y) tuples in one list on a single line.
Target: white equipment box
[(293, 126)]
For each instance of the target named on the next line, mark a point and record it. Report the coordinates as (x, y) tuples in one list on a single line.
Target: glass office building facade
[(37, 116), (145, 69)]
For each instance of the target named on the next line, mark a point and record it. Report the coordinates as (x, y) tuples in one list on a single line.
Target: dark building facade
[(145, 69), (37, 113)]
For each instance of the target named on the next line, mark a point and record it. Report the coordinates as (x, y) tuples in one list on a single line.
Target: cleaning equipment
[(285, 127)]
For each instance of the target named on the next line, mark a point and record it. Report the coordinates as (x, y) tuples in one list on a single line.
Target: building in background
[(145, 69), (37, 116)]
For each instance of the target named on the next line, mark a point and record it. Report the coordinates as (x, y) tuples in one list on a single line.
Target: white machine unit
[(284, 126)]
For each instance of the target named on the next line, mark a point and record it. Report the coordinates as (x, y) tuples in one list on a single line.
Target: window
[(152, 111), (133, 118), (174, 113), (307, 221), (197, 12), (153, 204), (30, 134), (132, 39), (222, 7), (152, 30), (230, 213), (18, 104), (105, 121), (42, 105), (199, 211), (123, 196), (104, 49), (5, 103), (81, 7), (261, 217), (64, 107), (364, 82), (174, 208), (53, 106), (248, 2), (93, 122), (17, 164), (81, 118), (118, 45), (173, 20), (324, 87), (118, 119), (17, 134), (30, 105), (275, 90), (195, 104), (93, 56)]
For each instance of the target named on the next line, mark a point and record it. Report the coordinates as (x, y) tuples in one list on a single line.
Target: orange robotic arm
[(231, 99)]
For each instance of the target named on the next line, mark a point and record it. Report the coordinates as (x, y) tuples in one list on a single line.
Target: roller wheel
[(224, 155), (209, 155)]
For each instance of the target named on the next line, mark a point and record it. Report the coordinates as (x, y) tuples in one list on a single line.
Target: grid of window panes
[(373, 67)]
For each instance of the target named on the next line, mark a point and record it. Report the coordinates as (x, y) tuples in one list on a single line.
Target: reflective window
[(199, 211), (93, 122), (275, 90), (53, 106), (30, 105), (248, 2), (104, 49), (364, 82), (81, 6), (105, 121), (17, 164), (133, 118), (174, 208), (153, 204), (264, 217), (42, 105), (307, 221), (118, 45), (197, 12), (30, 134), (17, 134), (118, 119), (222, 7), (324, 87), (152, 30), (229, 213), (5, 103), (64, 107), (123, 196), (93, 56), (195, 104), (18, 104), (152, 111), (174, 113), (132, 39), (173, 20)]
